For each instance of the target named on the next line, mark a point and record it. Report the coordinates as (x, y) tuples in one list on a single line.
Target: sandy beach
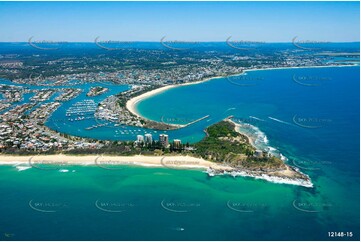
[(237, 129), (60, 161), (131, 103), (181, 162)]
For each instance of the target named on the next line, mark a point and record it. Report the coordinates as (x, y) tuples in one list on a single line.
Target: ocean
[(310, 116)]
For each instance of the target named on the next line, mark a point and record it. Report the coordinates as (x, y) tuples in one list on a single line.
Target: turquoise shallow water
[(315, 126), (165, 204)]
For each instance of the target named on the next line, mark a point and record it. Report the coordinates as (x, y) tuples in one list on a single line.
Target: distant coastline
[(133, 102)]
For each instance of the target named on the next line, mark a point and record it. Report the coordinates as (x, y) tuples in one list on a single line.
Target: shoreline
[(237, 129), (267, 176), (132, 103), (106, 160), (297, 67), (61, 162)]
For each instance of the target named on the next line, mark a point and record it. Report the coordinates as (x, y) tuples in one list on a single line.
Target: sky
[(179, 21)]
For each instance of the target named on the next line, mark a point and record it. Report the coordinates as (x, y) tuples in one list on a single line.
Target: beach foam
[(273, 179), (22, 167)]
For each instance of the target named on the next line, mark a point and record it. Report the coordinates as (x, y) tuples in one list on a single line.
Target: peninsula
[(224, 151)]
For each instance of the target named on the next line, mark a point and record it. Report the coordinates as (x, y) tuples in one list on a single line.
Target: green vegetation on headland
[(225, 145)]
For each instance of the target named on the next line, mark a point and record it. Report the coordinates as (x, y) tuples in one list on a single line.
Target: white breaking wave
[(261, 142), (280, 121), (230, 109), (273, 179), (63, 170), (259, 138), (22, 167), (284, 158), (283, 180), (256, 118)]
